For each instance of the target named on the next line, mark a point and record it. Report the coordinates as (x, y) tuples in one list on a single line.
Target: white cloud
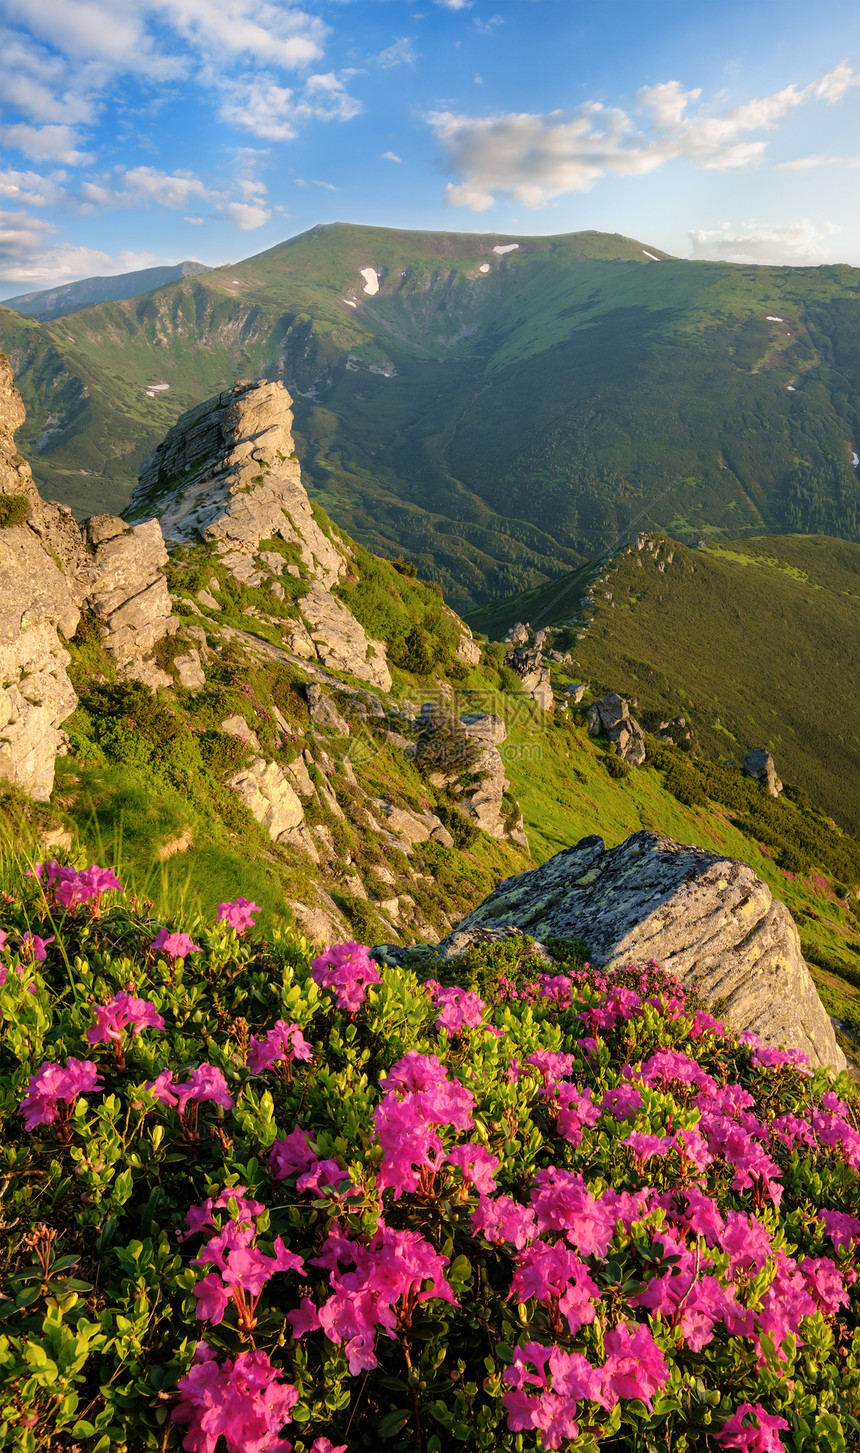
[(486, 27), (246, 215), (28, 257), (808, 163), (45, 143), (260, 105), (535, 158), (281, 35), (400, 53), (391, 156), (455, 4), (195, 221), (795, 243), (30, 188)]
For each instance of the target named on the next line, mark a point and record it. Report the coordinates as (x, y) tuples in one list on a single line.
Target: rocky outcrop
[(468, 649), (129, 594), (37, 609), (528, 662), (227, 473), (462, 755), (760, 764), (708, 919), (610, 716), (268, 795), (518, 635)]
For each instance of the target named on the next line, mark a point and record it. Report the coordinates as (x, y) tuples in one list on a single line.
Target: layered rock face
[(759, 764), (708, 919), (464, 753), (49, 571), (227, 473)]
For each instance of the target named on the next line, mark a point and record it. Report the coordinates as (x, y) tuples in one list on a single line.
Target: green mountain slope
[(756, 642), (498, 426), (72, 297)]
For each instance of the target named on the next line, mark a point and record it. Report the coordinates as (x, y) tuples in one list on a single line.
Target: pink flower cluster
[(52, 1083), (377, 1283), (67, 887), (238, 914), (122, 1011), (174, 945), (242, 1270), (284, 1043), (421, 1097), (548, 1383), (295, 1155), (242, 1401), (348, 969), (460, 1008), (206, 1082)]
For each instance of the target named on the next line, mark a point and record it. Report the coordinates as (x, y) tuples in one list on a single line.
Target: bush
[(616, 766), (419, 652), (463, 831), (14, 510), (346, 1207)]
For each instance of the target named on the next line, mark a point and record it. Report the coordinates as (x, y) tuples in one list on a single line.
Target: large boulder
[(759, 764), (610, 716), (129, 594), (530, 666), (708, 919)]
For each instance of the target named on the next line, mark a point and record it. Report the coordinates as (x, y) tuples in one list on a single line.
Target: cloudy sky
[(136, 132)]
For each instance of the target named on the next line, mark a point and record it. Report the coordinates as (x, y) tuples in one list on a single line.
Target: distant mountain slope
[(756, 642), (499, 409), (72, 297)]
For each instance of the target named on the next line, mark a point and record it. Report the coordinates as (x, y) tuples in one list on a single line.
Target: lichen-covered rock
[(517, 635), (268, 795), (468, 649), (708, 919), (528, 662), (340, 641)]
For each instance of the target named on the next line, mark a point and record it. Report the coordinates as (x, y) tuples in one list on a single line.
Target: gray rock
[(340, 641), (610, 716), (467, 649), (576, 691), (236, 726), (759, 764), (484, 727), (323, 712), (707, 919), (528, 662), (517, 635), (268, 795), (189, 671)]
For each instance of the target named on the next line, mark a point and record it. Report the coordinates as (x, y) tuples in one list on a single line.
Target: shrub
[(463, 831), (616, 766), (331, 1204), (14, 510), (420, 652)]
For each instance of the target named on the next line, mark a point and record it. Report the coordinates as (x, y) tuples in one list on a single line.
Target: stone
[(52, 839), (268, 795), (759, 764), (189, 671), (610, 716), (517, 635), (576, 691), (323, 712), (179, 844), (129, 594), (321, 920), (528, 662), (484, 727), (300, 777), (415, 827), (469, 650), (709, 920), (208, 600), (340, 641), (236, 726)]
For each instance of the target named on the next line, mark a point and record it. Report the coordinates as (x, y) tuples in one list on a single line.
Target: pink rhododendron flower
[(623, 1102), (762, 1436), (551, 1064), (283, 1043), (635, 1367), (52, 1083), (461, 1009), (767, 1058), (419, 1098), (348, 969), (241, 1401), (292, 1155), (477, 1165), (205, 1083), (174, 945), (382, 1290), (305, 1318), (825, 1283), (840, 1227), (32, 948), (68, 887), (574, 1111), (504, 1219), (645, 1147), (238, 915), (562, 1202), (533, 1404), (120, 1012), (324, 1445)]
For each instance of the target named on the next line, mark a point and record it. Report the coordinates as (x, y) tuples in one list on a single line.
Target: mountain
[(72, 297), (499, 409)]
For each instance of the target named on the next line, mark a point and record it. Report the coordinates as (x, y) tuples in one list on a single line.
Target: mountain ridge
[(499, 428), (49, 303)]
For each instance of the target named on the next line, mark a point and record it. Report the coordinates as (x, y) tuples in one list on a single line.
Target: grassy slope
[(499, 428), (756, 642)]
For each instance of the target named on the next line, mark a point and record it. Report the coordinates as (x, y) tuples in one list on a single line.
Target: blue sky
[(136, 132)]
